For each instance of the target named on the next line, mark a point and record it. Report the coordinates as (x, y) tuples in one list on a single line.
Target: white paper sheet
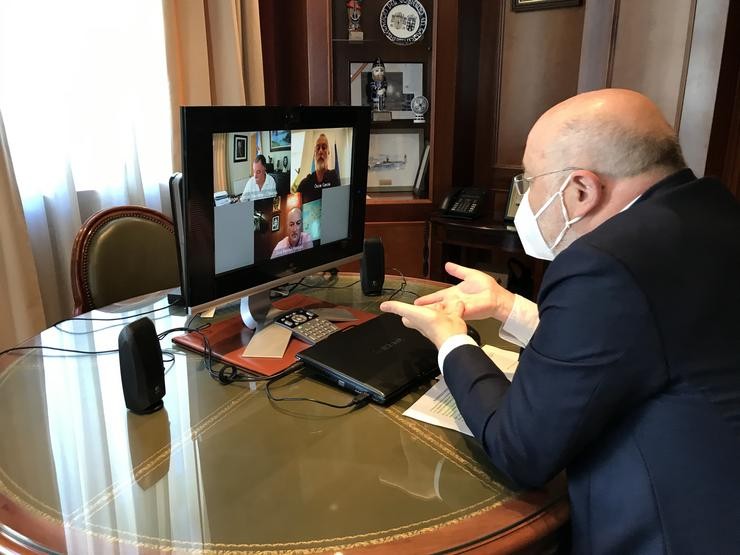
[(437, 405), (507, 361)]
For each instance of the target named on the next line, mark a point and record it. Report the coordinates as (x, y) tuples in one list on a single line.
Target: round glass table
[(224, 469)]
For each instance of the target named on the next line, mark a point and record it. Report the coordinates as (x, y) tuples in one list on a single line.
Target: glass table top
[(222, 468)]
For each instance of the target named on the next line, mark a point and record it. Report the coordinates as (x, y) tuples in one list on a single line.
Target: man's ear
[(587, 193)]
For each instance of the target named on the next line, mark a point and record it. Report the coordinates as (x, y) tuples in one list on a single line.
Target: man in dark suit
[(630, 375)]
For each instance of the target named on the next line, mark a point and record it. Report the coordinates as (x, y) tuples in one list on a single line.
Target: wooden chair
[(120, 253)]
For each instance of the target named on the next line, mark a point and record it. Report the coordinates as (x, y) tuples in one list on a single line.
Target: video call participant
[(322, 178), (630, 375), (260, 185), (297, 239)]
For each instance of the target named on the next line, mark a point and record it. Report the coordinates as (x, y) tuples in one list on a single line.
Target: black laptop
[(380, 357)]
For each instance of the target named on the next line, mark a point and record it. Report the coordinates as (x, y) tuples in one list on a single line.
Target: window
[(84, 95)]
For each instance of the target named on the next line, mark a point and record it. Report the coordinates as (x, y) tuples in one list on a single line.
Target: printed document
[(437, 405)]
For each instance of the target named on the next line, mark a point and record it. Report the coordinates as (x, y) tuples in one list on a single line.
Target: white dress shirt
[(253, 192)]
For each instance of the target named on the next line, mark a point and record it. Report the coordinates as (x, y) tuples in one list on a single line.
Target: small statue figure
[(377, 87), (354, 12)]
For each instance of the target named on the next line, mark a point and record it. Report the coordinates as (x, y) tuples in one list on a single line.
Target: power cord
[(402, 289), (160, 336), (228, 373), (75, 351), (358, 401), (82, 319)]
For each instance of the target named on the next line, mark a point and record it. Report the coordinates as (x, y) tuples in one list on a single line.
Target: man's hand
[(437, 322), (480, 294)]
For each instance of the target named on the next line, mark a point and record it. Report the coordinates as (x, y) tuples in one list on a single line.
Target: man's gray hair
[(607, 147)]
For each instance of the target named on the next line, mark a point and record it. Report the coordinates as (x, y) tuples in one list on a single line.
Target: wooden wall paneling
[(723, 156), (319, 52), (398, 210), (284, 52), (489, 87), (442, 97), (669, 50), (527, 63), (539, 68), (702, 76), (466, 108), (597, 47), (489, 63), (652, 49)]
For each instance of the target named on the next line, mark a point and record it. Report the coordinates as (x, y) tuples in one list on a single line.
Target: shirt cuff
[(521, 323), (451, 343)]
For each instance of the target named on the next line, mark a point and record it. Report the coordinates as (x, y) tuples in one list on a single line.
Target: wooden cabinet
[(398, 217)]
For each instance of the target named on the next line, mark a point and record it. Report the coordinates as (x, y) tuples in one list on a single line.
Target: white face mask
[(529, 232)]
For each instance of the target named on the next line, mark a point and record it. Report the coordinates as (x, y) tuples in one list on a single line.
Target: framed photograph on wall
[(240, 148), (276, 222), (394, 158), (280, 140), (404, 82), (512, 204), (529, 5)]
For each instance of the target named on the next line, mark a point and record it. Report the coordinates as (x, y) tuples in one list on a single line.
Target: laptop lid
[(380, 357)]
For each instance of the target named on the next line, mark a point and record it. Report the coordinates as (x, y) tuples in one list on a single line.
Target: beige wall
[(669, 50)]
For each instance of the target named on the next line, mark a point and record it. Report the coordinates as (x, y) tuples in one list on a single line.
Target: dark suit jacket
[(631, 382)]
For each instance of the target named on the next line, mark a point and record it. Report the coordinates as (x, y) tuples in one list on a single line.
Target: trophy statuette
[(354, 13)]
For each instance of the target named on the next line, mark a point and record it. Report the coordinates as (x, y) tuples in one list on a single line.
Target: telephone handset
[(464, 202)]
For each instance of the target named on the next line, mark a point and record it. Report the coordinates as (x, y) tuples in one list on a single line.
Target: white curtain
[(85, 97), (19, 288)]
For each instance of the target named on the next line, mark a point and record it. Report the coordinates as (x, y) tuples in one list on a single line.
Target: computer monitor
[(240, 240)]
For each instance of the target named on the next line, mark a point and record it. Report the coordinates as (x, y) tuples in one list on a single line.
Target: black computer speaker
[(142, 369), (372, 266)]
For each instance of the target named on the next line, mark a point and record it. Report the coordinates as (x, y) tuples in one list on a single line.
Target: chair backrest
[(282, 182), (122, 252)]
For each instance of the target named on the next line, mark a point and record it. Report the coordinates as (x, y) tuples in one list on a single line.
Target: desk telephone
[(465, 202)]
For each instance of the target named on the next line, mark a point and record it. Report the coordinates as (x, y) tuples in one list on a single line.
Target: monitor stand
[(254, 309)]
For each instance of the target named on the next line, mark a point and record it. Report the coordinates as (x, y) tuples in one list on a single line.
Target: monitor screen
[(268, 195)]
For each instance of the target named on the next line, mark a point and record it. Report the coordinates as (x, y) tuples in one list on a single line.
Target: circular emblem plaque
[(419, 105), (403, 21)]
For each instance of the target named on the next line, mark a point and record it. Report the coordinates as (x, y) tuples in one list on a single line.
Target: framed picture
[(420, 188), (394, 158), (528, 5), (240, 148), (404, 82), (279, 140), (276, 222), (276, 204), (512, 203)]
